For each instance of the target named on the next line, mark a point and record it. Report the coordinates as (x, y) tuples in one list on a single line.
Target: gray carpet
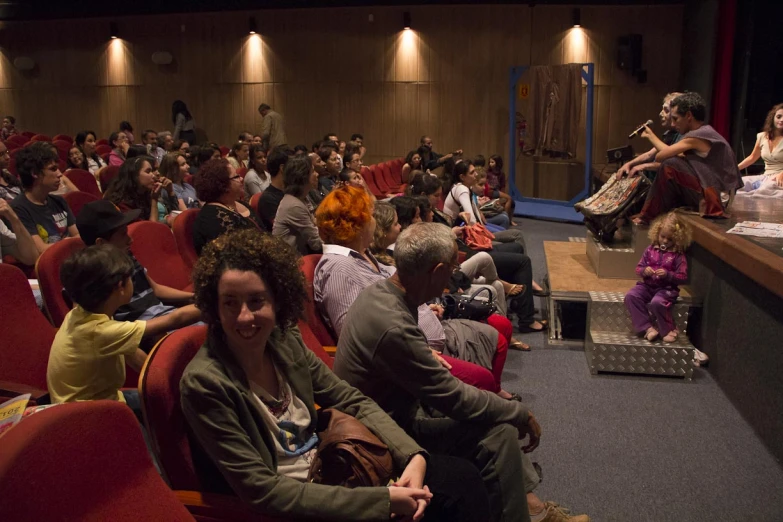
[(626, 448)]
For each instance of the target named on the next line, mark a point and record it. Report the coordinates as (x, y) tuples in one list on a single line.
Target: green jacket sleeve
[(211, 406), (403, 352)]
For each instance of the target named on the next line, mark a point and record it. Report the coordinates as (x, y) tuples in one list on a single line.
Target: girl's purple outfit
[(659, 292)]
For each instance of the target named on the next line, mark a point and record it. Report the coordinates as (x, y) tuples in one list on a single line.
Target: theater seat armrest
[(214, 507), (331, 350), (13, 389)]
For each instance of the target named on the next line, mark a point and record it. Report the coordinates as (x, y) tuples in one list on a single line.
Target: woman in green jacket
[(249, 397)]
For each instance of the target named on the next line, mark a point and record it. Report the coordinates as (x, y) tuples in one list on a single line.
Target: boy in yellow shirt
[(89, 353)]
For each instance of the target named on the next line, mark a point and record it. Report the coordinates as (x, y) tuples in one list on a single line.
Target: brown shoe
[(556, 513)]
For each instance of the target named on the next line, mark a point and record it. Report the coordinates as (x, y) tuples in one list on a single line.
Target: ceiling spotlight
[(113, 32), (577, 15), (406, 20), (251, 25)]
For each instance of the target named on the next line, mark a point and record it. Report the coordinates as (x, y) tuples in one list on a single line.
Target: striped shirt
[(340, 277)]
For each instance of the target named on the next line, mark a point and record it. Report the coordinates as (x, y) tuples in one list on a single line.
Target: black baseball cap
[(100, 218)]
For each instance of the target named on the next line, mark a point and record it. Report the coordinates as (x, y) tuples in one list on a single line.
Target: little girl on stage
[(663, 268)]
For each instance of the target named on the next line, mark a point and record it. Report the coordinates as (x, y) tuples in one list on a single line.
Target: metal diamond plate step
[(577, 239), (606, 312), (614, 352)]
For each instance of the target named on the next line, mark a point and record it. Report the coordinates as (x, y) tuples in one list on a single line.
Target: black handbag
[(458, 306)]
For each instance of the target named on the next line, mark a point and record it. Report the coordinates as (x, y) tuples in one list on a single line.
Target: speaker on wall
[(629, 52)]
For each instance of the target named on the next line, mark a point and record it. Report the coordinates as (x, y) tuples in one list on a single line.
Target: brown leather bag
[(348, 453)]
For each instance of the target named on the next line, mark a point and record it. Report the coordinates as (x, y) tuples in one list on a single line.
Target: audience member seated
[(46, 217), (332, 167), (90, 350), (239, 154), (478, 194), (103, 224), (8, 128), (10, 186), (670, 136), (246, 138), (219, 187), (384, 353), (462, 204), (509, 258), (294, 222), (75, 159), (150, 140), (496, 186), (412, 162), (300, 149), (346, 223), (257, 140), (353, 178), (119, 148), (255, 380), (768, 148), (181, 146), (15, 240), (127, 128), (479, 270), (358, 139), (166, 141), (92, 162), (201, 156), (430, 159), (257, 178), (175, 167), (696, 170), (273, 195), (353, 165), (137, 187)]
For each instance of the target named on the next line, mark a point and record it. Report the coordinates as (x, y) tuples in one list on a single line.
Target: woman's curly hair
[(769, 121), (681, 231), (275, 262), (213, 180), (385, 214), (342, 214)]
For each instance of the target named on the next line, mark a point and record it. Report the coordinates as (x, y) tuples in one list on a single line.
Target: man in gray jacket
[(272, 128), (383, 352)]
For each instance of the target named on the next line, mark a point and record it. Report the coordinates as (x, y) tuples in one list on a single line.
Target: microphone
[(640, 129)]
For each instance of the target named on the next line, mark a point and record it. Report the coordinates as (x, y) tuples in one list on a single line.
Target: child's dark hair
[(498, 162), (406, 207), (91, 275), (479, 161), (425, 207)]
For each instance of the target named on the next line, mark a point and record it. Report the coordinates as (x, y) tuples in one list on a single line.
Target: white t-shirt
[(7, 241), (254, 184), (458, 200)]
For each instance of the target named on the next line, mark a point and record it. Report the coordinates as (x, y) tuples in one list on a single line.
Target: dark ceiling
[(59, 9)]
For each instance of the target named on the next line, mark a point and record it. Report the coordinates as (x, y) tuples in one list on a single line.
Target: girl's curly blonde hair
[(681, 231)]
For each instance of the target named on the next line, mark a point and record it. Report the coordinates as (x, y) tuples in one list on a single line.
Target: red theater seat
[(82, 461), (155, 248), (183, 234), (106, 174), (76, 200), (102, 141), (62, 146), (28, 134), (25, 339), (369, 177), (40, 137), (47, 269), (17, 140), (84, 181), (63, 137), (314, 320), (100, 150), (168, 429)]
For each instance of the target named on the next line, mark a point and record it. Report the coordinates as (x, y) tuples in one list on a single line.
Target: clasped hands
[(649, 272)]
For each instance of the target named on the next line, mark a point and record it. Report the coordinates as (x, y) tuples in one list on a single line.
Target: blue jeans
[(501, 220)]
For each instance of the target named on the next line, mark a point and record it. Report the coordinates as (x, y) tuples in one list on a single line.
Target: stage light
[(406, 20), (113, 32), (577, 16), (251, 23)]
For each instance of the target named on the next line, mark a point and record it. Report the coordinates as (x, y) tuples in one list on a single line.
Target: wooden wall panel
[(332, 69)]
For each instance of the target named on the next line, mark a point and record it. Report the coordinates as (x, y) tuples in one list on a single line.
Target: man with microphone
[(696, 171), (670, 136)]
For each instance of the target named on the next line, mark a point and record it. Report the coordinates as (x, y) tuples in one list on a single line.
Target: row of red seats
[(384, 179)]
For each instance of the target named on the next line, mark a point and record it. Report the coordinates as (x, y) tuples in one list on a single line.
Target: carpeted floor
[(638, 448)]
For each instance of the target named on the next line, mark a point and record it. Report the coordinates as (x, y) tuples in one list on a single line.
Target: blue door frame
[(539, 207)]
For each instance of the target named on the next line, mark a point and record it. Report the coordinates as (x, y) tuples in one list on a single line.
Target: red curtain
[(720, 118)]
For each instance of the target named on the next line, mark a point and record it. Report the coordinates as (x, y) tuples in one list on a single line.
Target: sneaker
[(556, 513), (700, 358)]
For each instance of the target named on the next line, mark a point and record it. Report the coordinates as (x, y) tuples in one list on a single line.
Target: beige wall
[(333, 70)]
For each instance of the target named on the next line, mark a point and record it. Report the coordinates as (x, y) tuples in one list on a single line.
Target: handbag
[(470, 307), (478, 237), (349, 454)]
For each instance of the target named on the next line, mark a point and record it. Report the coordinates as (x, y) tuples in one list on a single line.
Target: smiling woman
[(255, 379)]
